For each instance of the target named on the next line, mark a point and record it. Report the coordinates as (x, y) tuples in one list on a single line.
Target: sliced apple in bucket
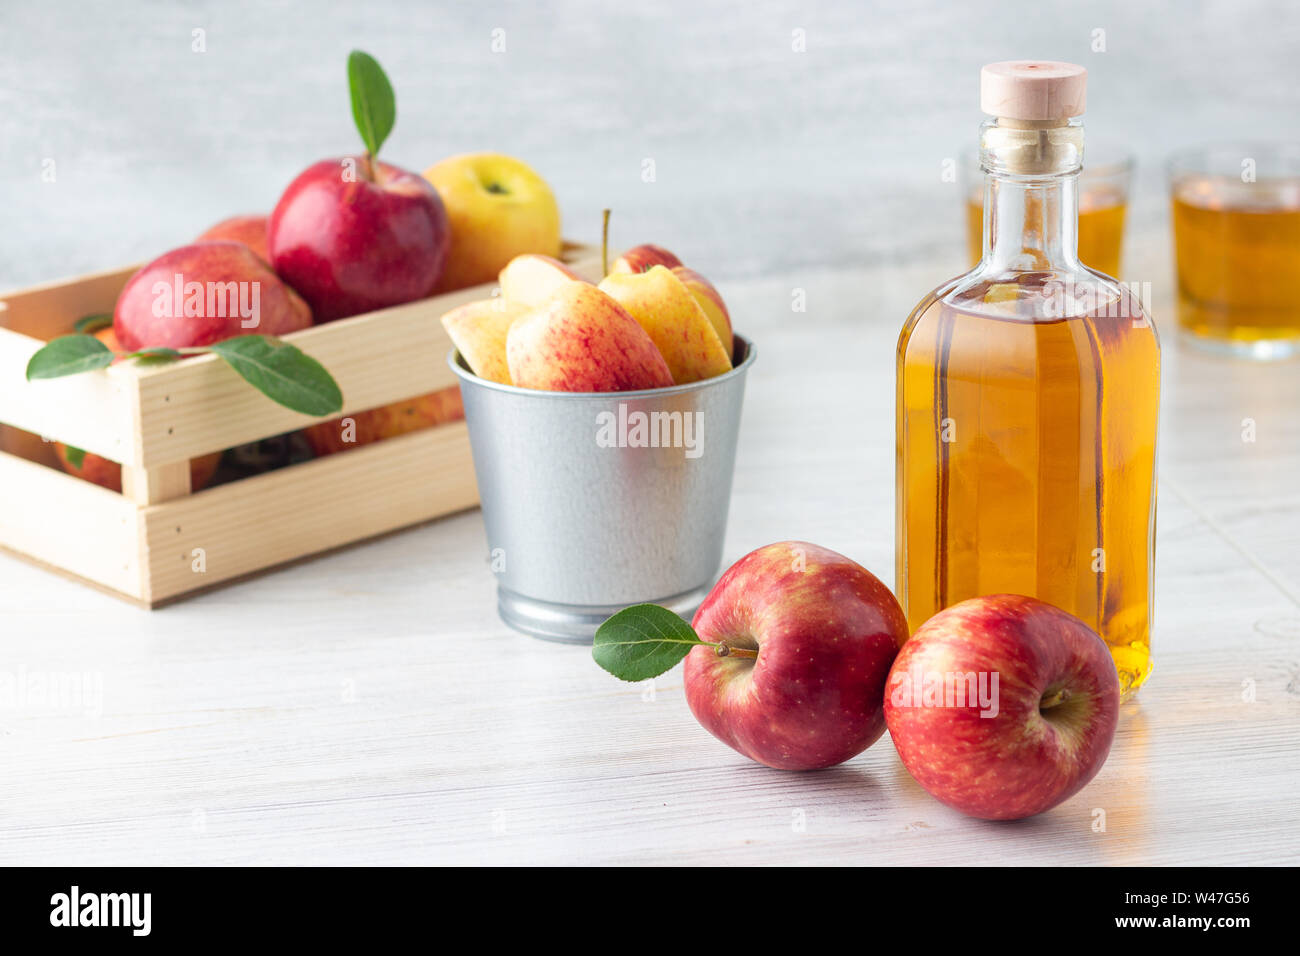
[(581, 340), (662, 305), (532, 279), (710, 300), (478, 330)]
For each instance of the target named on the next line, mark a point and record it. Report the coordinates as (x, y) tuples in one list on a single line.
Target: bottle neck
[(1031, 196), (1031, 226)]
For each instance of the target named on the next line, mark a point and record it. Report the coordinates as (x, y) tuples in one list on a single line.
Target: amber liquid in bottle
[(1028, 392)]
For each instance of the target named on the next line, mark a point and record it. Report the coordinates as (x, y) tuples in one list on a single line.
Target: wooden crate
[(145, 543)]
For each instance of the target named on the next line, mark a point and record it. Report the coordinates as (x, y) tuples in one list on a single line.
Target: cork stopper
[(1033, 91)]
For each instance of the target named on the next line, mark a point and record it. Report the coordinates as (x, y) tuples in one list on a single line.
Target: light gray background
[(767, 160)]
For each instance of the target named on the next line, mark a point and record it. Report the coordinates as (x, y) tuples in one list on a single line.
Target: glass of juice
[(1236, 215), (1103, 201)]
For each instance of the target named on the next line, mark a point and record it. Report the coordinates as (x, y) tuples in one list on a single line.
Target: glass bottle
[(1028, 392)]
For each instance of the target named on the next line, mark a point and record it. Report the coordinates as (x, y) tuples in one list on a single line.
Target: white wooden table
[(369, 707)]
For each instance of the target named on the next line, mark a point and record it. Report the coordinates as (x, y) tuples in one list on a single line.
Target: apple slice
[(581, 340), (643, 258), (478, 330), (710, 301), (665, 308), (532, 279)]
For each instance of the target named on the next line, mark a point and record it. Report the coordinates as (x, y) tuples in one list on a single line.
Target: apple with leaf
[(1001, 707)]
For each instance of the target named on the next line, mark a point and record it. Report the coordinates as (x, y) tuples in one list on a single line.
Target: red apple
[(203, 293), (399, 418), (643, 257), (1046, 701), (353, 235), (250, 230), (826, 631), (23, 444)]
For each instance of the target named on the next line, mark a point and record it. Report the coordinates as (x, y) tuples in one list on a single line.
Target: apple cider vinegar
[(1237, 246), (1028, 394)]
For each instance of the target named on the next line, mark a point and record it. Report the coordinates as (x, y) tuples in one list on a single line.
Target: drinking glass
[(1236, 220)]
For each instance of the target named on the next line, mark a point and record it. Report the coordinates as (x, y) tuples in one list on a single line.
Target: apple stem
[(726, 650), (604, 243), (1051, 700)]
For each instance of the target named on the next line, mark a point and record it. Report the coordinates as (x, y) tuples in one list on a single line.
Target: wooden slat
[(260, 522), (201, 406), (49, 310), (71, 524), (151, 486), (92, 411)]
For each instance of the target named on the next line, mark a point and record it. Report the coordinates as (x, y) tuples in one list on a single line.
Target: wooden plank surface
[(369, 707)]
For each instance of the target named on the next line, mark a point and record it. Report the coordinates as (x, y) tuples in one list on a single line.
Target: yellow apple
[(498, 208), (666, 309), (581, 340), (478, 330)]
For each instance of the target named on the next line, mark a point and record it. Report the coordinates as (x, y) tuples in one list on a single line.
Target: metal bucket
[(594, 501)]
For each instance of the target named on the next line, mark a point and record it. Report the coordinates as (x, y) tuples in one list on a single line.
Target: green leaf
[(282, 373), (76, 456), (374, 108), (89, 324), (642, 641), (69, 355)]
